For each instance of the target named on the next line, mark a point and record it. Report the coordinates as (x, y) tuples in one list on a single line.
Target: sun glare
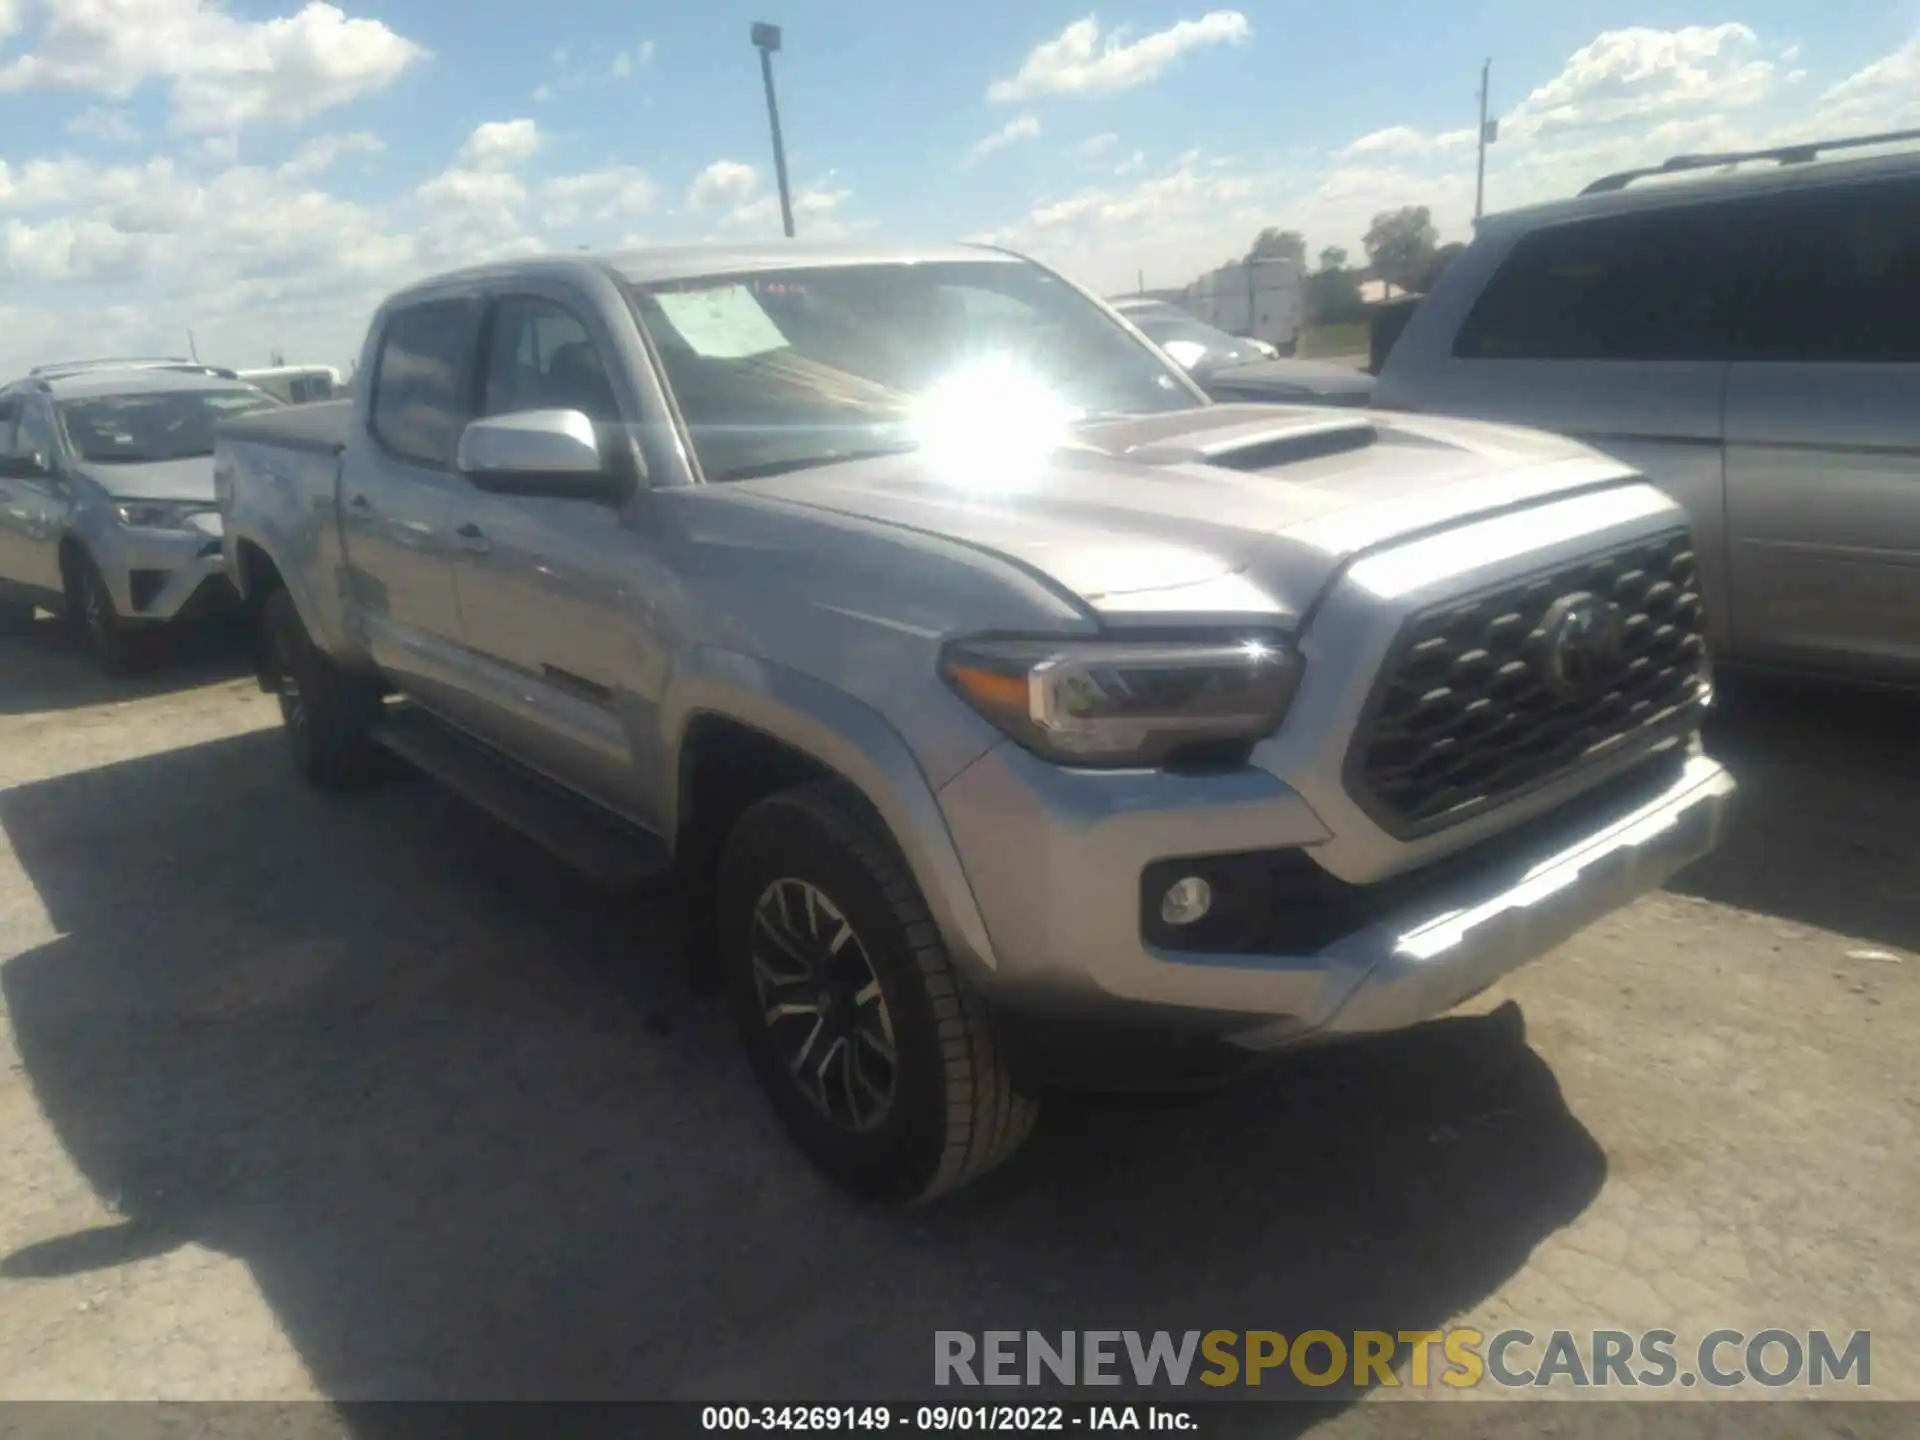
[(990, 424)]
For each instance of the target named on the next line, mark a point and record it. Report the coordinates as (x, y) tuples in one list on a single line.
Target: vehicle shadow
[(45, 669), (1826, 828), (457, 1111)]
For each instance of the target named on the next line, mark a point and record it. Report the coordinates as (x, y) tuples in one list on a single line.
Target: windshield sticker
[(725, 323)]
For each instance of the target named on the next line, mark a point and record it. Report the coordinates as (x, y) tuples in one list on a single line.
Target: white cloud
[(104, 124), (1076, 60), (1639, 74), (323, 152), (1883, 94), (225, 241), (1405, 140), (1021, 127), (10, 11), (261, 256), (1095, 146), (815, 212), (1631, 97), (723, 182), (489, 199), (627, 62), (616, 193), (736, 188), (67, 249), (1181, 219), (256, 258), (71, 183), (500, 145), (223, 71)]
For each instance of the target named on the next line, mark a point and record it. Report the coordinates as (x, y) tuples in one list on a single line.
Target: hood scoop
[(1264, 449)]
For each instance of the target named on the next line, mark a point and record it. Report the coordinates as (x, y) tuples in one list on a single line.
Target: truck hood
[(1242, 508), (1309, 381), (189, 480)]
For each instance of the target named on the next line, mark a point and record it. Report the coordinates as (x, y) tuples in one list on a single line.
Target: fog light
[(1187, 900)]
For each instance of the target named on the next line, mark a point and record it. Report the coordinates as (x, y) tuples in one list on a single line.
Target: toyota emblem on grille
[(1581, 649)]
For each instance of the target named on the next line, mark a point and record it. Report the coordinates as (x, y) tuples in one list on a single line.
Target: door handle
[(472, 537)]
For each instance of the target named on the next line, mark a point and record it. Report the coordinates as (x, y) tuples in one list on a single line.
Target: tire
[(951, 1112), (117, 647), (326, 713)]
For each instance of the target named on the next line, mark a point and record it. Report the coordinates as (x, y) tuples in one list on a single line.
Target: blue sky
[(263, 170)]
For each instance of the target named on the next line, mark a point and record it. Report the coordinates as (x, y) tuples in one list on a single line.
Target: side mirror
[(550, 453), (30, 466)]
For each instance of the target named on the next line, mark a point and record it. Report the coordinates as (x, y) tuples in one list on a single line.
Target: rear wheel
[(882, 1061), (117, 646), (326, 713)]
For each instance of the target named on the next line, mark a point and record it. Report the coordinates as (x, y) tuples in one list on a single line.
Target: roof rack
[(1798, 154), (129, 362), (66, 368)]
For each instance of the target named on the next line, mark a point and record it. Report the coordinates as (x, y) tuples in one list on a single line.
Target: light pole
[(766, 39), (1489, 130)]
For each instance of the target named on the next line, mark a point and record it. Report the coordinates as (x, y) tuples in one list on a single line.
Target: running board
[(588, 838)]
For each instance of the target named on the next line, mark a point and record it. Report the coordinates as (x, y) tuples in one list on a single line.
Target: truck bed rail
[(323, 427)]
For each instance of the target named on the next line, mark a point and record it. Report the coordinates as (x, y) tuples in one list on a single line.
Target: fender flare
[(849, 737)]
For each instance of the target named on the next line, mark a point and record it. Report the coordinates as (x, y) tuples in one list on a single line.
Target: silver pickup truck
[(1009, 716)]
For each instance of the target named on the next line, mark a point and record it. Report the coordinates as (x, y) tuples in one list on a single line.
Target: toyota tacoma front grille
[(1485, 698)]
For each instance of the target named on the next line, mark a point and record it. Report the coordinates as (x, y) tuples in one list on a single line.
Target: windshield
[(1190, 341), (144, 428), (776, 370)]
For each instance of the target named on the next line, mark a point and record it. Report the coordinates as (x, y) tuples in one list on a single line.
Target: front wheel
[(880, 1058), (326, 713), (117, 647)]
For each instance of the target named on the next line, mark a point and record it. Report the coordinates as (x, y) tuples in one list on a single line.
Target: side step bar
[(578, 832)]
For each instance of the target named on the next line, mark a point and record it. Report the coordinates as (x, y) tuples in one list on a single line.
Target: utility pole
[(1143, 282), (193, 349), (766, 39), (1488, 132)]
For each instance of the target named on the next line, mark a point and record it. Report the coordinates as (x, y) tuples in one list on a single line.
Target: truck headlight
[(157, 514), (1125, 703)]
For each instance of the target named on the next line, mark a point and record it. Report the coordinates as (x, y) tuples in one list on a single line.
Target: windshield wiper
[(809, 462)]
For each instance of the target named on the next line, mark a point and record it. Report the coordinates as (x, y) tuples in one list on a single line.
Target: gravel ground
[(363, 1098)]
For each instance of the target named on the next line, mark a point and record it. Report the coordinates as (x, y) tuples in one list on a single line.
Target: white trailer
[(1254, 299), (297, 384)]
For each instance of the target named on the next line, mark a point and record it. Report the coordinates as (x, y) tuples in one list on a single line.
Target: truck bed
[(321, 427)]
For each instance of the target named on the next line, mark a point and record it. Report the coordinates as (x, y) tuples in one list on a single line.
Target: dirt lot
[(363, 1098)]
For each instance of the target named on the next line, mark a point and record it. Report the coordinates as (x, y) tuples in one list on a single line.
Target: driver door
[(33, 506), (555, 595)]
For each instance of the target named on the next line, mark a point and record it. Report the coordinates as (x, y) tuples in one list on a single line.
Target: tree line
[(1403, 251)]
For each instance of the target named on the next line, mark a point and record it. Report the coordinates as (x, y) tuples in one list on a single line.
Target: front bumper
[(1055, 858), (163, 575)]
